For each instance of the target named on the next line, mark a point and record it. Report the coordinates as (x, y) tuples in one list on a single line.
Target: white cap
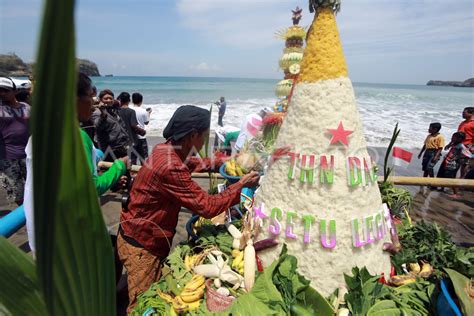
[(7, 83)]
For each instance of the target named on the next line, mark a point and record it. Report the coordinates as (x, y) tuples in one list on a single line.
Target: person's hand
[(127, 162), (250, 180), (103, 111), (122, 182)]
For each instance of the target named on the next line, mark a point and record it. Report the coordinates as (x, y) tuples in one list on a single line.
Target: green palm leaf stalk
[(74, 253), (386, 169)]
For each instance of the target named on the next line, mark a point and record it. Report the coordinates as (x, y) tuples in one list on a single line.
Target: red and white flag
[(401, 157)]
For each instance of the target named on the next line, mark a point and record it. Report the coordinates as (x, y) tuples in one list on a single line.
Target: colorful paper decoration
[(369, 229), (291, 171), (325, 235), (370, 174), (356, 240), (354, 171), (307, 169), (259, 212), (340, 135), (326, 172), (276, 216), (379, 226), (290, 224), (308, 221)]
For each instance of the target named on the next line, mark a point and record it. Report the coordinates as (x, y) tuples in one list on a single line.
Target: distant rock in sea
[(469, 83), (13, 66)]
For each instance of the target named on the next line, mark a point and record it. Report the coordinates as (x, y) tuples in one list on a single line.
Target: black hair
[(84, 85), (436, 126), (124, 97), (137, 98), (105, 92), (22, 96), (94, 89), (469, 110), (460, 135)]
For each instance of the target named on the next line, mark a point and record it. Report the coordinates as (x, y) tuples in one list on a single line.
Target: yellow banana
[(196, 282), (239, 171), (426, 270), (414, 267), (236, 262), (165, 296), (192, 296), (235, 252), (187, 262), (179, 305), (194, 305), (399, 280), (230, 168)]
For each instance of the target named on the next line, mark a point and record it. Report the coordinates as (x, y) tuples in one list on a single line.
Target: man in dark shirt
[(221, 105), (110, 128), (129, 118)]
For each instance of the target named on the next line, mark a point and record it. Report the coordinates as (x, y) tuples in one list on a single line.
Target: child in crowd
[(432, 148), (457, 156)]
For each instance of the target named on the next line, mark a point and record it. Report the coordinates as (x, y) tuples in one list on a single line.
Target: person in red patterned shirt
[(161, 188)]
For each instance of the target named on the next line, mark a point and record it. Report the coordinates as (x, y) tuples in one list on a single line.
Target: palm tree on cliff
[(325, 215)]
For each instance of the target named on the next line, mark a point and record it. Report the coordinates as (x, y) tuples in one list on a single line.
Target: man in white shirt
[(140, 149)]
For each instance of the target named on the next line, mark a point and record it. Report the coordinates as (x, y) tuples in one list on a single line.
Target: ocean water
[(381, 106)]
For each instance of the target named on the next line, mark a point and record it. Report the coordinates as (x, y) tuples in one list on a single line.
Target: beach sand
[(456, 216)]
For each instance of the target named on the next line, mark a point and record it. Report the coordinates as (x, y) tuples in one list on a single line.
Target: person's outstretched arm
[(107, 179)]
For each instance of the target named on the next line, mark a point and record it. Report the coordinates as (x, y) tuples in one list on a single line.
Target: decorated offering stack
[(323, 201), (291, 59)]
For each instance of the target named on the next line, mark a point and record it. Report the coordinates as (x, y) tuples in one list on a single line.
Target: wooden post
[(435, 182)]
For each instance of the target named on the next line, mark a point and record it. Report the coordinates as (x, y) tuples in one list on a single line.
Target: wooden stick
[(435, 182), (135, 168)]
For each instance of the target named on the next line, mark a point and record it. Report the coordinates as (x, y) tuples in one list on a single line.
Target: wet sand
[(456, 216)]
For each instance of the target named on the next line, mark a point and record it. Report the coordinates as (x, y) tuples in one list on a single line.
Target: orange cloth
[(143, 269), (434, 141), (467, 127)]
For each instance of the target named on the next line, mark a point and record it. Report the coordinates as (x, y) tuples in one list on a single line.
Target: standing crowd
[(460, 151)]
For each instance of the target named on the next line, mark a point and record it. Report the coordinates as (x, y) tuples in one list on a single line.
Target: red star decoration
[(340, 134)]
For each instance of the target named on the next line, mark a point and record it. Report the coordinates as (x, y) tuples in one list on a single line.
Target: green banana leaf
[(461, 285), (19, 293), (74, 252)]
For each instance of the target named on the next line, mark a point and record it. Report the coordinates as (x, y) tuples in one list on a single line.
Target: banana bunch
[(190, 297), (190, 261), (415, 271), (238, 262), (194, 290), (232, 168)]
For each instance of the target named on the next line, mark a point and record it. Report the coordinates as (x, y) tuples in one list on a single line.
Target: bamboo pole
[(435, 182), (135, 168)]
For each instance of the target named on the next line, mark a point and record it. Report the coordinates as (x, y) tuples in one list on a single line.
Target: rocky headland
[(469, 83), (13, 66)]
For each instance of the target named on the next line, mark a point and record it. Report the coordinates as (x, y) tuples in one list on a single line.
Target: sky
[(385, 41)]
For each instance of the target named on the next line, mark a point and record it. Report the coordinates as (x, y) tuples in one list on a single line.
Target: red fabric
[(467, 127), (402, 154), (161, 188)]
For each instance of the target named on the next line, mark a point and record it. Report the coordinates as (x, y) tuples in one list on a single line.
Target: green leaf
[(461, 285), (314, 302), (74, 252), (384, 307), (19, 292)]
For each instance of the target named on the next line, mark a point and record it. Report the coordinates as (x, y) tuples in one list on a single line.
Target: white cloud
[(204, 67), (243, 24)]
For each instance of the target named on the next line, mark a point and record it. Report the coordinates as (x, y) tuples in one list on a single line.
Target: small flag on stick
[(401, 157)]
